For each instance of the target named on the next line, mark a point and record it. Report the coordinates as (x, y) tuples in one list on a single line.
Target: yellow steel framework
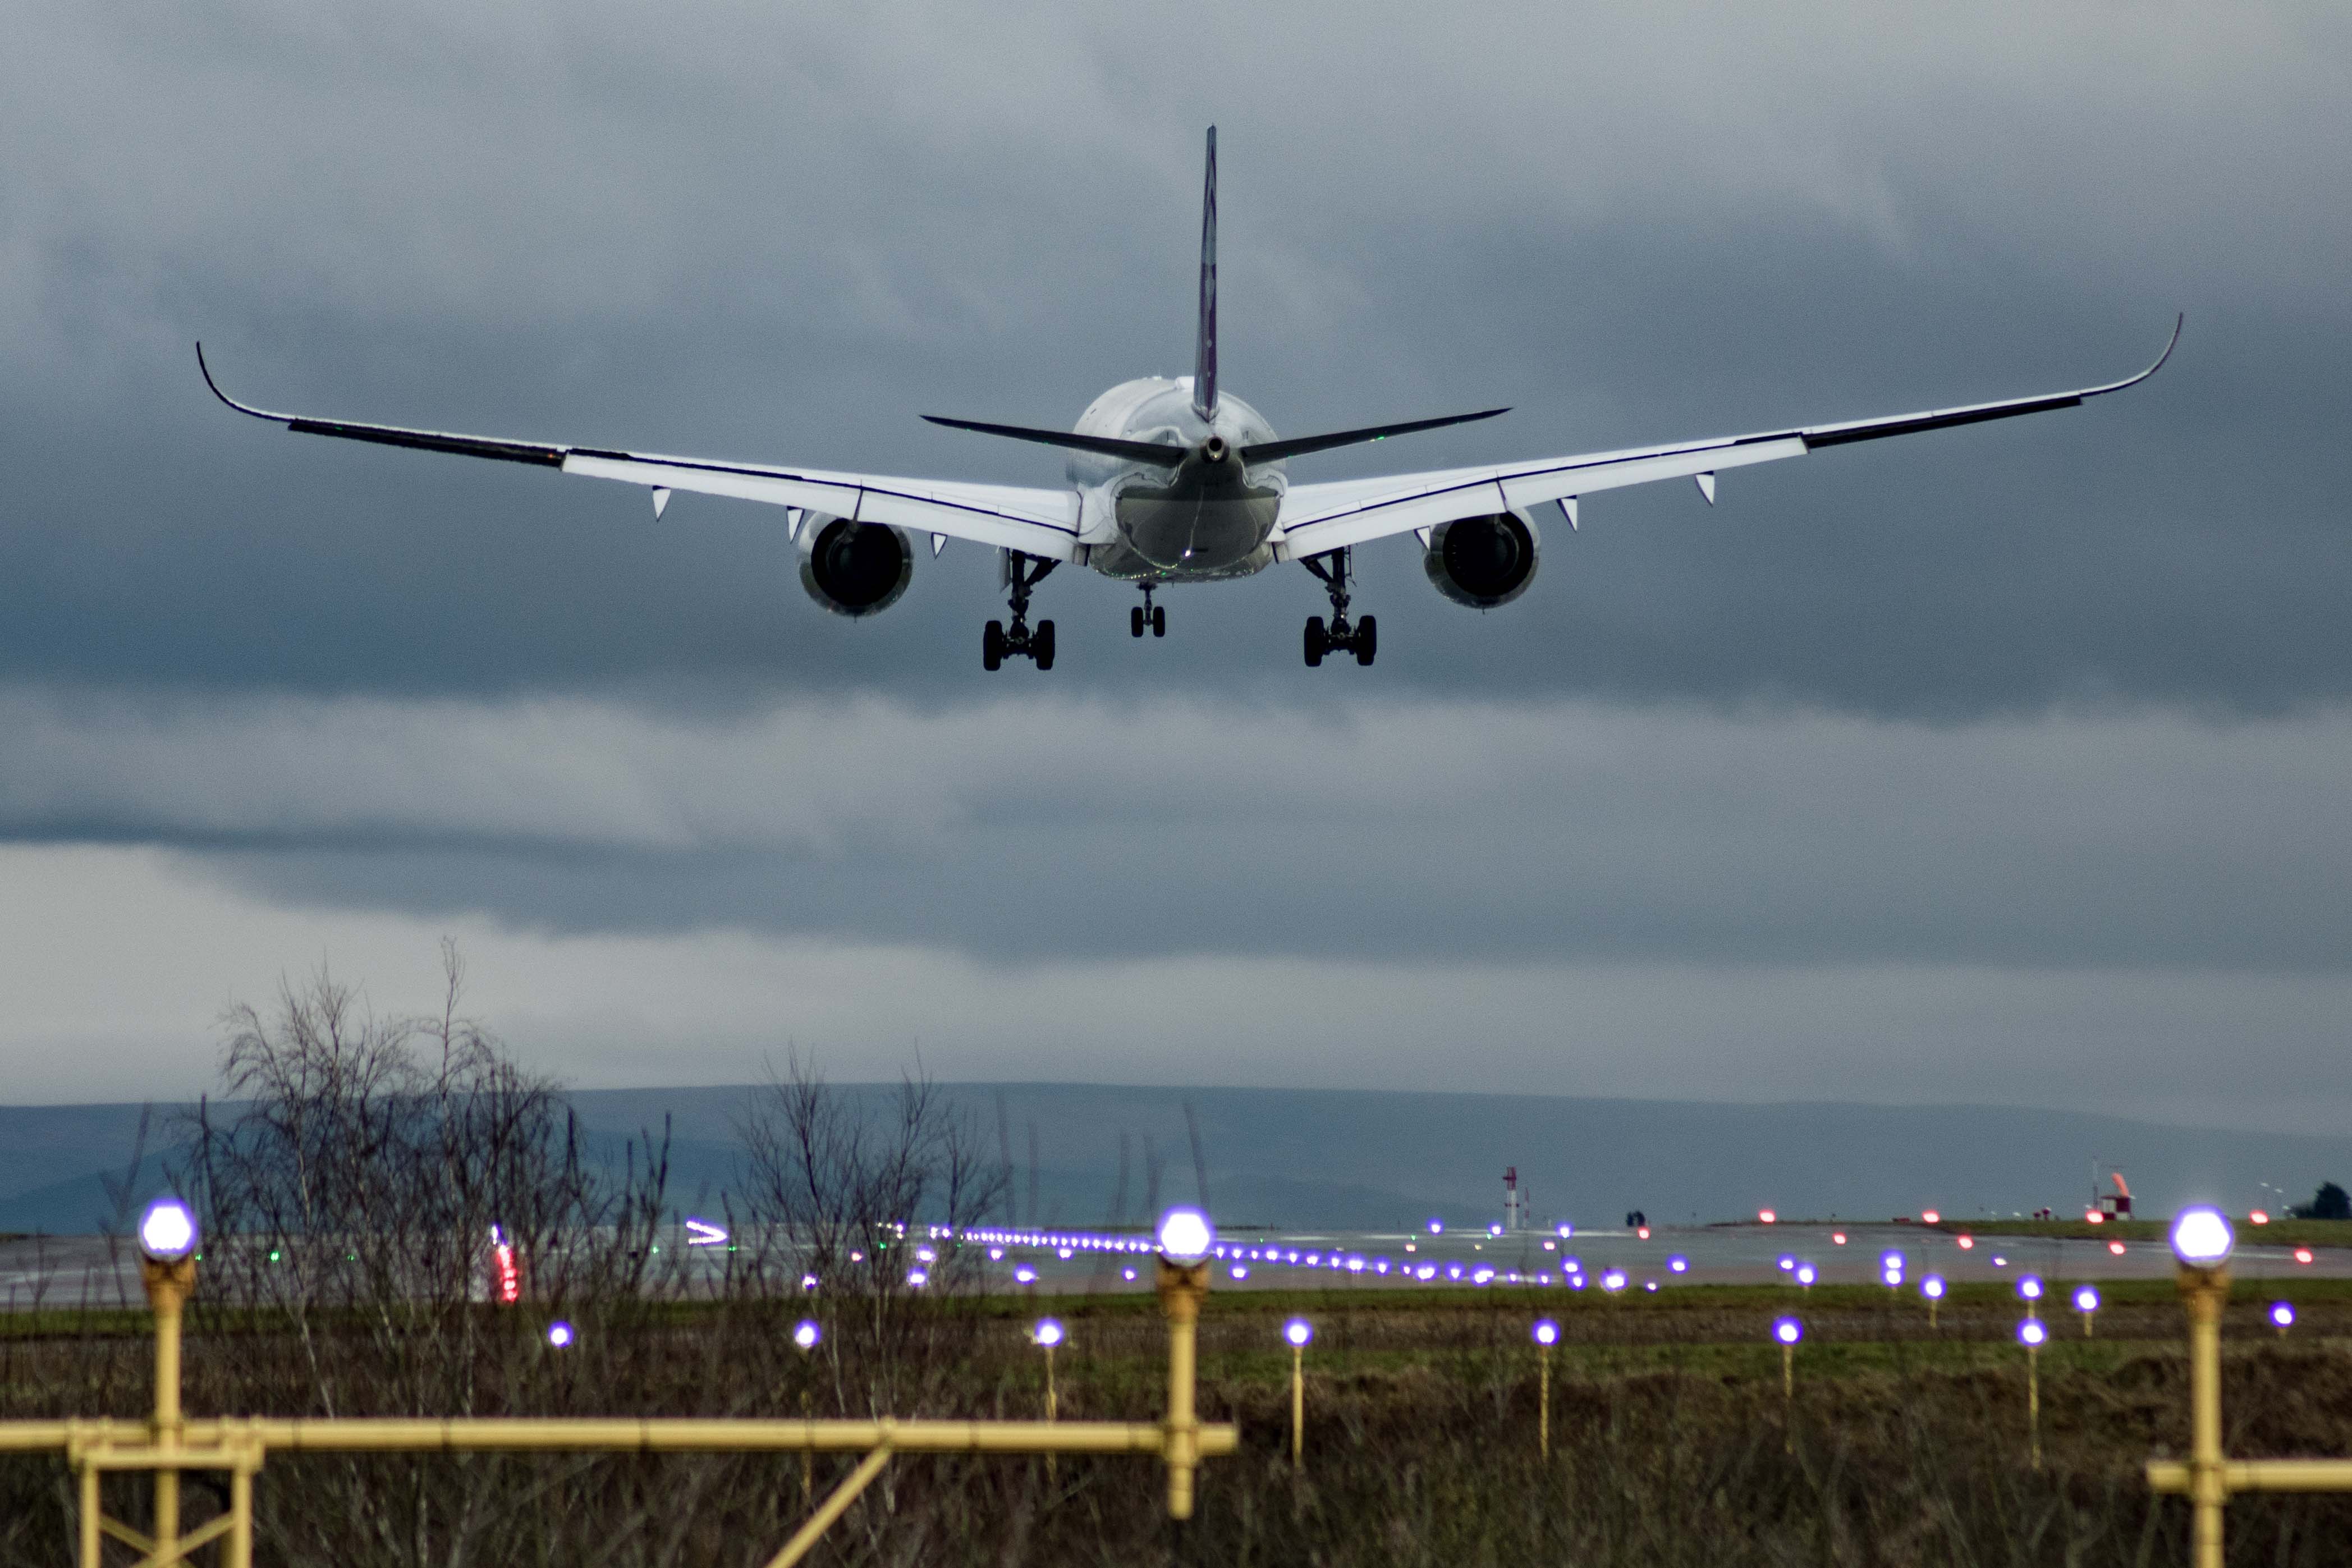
[(2208, 1478), (169, 1443)]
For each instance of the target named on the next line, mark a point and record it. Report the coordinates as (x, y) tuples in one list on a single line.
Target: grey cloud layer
[(1481, 830), (766, 235), (1907, 770)]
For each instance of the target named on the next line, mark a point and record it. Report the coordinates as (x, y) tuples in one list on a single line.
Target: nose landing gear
[(1021, 572), (1362, 639), (1146, 613)]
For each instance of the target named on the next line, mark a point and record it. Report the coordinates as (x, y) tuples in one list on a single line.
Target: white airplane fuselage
[(1204, 520)]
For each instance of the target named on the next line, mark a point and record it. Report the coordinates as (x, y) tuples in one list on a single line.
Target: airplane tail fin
[(1204, 356)]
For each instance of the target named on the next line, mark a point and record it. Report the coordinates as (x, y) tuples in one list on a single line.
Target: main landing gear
[(1021, 572), (1146, 613), (1362, 639)]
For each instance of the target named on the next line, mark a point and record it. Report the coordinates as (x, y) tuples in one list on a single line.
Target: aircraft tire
[(1316, 641), (1367, 639), (992, 645), (1041, 644), (1135, 622), (1159, 620)]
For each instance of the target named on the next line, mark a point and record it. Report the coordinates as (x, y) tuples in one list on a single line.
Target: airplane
[(1174, 481)]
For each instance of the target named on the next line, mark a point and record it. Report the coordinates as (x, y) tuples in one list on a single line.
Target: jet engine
[(853, 568), (1482, 562)]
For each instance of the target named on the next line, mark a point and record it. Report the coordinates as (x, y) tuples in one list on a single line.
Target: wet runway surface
[(70, 1271)]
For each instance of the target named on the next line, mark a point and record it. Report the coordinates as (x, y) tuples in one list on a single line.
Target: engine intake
[(1482, 562), (855, 568)]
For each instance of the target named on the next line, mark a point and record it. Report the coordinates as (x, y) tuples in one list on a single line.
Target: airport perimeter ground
[(1904, 1445)]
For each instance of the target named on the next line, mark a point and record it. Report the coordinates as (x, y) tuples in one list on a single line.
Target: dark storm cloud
[(1022, 829), (747, 234)]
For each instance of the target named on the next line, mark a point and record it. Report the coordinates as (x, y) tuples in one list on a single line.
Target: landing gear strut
[(1021, 572), (1362, 639), (1146, 613)]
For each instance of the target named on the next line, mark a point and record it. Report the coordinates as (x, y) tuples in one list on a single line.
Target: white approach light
[(1932, 1287), (167, 1230), (1047, 1333), (1546, 1331), (2086, 1299), (2029, 1287), (1299, 1332), (2031, 1333), (806, 1333), (2202, 1238), (559, 1335), (1787, 1331), (1186, 1236)]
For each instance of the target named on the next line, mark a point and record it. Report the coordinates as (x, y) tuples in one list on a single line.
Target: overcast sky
[(2009, 764)]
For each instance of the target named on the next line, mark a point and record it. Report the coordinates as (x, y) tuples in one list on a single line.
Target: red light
[(2259, 1217), (2094, 1216), (1766, 1216), (1931, 1216), (510, 1280), (1644, 1232), (1966, 1242), (2303, 1255)]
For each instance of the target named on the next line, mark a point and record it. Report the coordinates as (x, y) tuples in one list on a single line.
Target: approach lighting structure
[(2202, 1238), (1185, 1237), (167, 1230)]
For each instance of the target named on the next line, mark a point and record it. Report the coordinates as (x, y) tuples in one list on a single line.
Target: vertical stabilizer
[(1204, 357)]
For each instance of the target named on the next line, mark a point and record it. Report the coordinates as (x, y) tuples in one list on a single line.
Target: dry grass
[(1667, 1419)]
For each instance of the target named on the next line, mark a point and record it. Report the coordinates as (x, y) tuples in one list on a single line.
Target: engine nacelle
[(855, 568), (1482, 562)]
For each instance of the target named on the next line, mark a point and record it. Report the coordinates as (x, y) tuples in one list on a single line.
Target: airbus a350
[(1175, 480)]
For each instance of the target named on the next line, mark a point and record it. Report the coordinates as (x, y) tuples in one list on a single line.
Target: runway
[(71, 1272)]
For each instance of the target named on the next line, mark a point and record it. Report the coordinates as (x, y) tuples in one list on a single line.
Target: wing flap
[(1318, 518), (1036, 522)]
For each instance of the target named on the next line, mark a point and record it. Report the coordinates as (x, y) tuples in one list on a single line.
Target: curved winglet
[(2171, 343), (233, 403)]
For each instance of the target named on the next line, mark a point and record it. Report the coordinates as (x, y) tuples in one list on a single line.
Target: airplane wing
[(1316, 518), (1037, 523)]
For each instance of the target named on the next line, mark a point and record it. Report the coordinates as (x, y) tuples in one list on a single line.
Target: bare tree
[(376, 1167), (861, 1201)]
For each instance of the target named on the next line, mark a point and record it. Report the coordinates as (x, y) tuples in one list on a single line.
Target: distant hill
[(1366, 1159)]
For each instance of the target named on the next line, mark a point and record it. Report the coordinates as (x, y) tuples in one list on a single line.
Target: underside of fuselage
[(1198, 522)]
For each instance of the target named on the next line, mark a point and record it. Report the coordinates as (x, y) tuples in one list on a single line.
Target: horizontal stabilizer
[(1274, 451), (1105, 445)]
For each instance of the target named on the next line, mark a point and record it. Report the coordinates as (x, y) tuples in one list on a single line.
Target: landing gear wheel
[(1135, 622), (998, 643), (1159, 621), (1361, 638)]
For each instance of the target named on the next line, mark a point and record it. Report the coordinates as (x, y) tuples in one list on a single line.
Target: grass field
[(1671, 1441)]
